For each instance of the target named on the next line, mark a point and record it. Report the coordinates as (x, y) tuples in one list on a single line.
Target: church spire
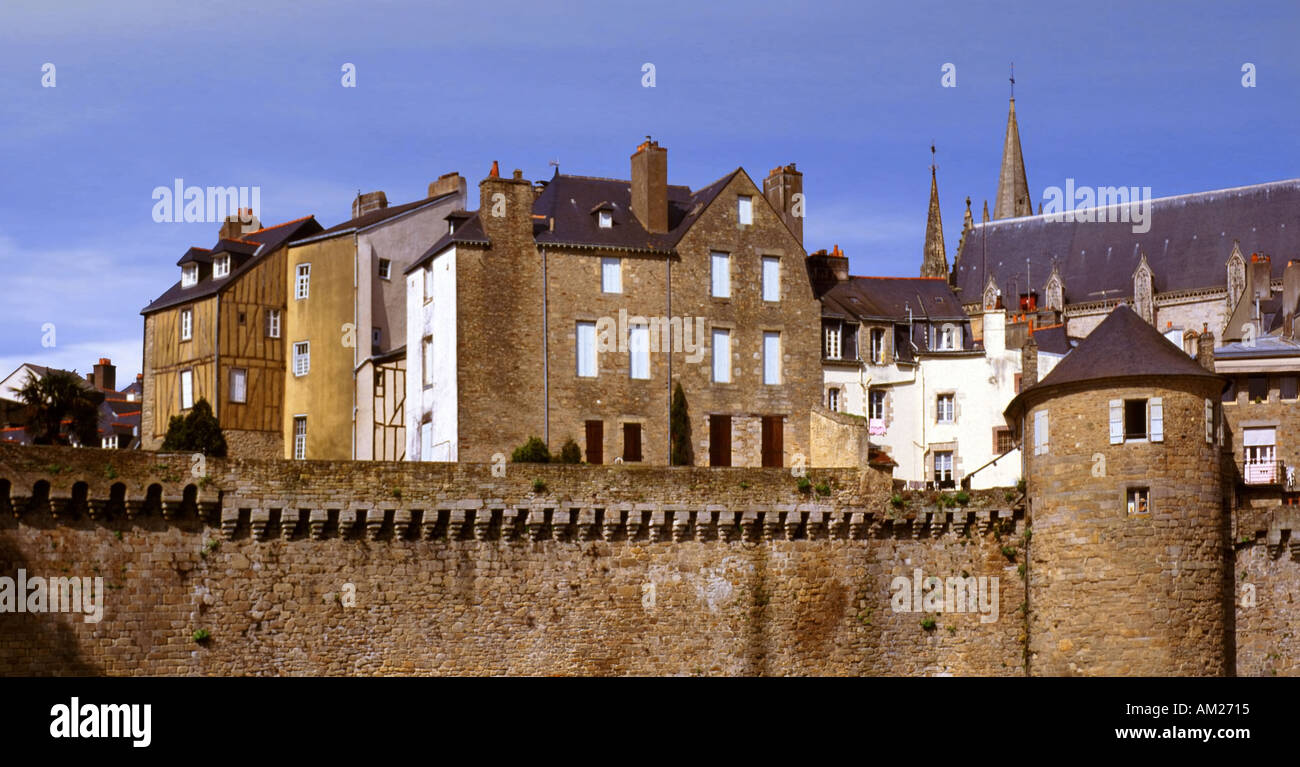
[(935, 260), (1013, 187)]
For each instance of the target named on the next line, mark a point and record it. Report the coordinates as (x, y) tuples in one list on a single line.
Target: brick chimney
[(368, 202), (448, 183), (1029, 363), (780, 188), (1205, 348), (650, 186), (506, 210), (236, 226), (826, 270), (1290, 297), (105, 375)]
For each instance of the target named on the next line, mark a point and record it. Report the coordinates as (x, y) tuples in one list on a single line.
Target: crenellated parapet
[(306, 501)]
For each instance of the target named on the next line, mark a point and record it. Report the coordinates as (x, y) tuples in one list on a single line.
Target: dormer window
[(606, 219), (451, 226), (221, 266), (189, 275)]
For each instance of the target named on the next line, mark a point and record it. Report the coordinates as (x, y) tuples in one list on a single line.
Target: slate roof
[(264, 242), (1187, 246), (196, 255), (1052, 339), (1122, 346), (382, 214), (889, 298), (572, 201)]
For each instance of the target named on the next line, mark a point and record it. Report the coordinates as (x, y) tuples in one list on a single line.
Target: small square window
[(745, 209), (1002, 442), (385, 269), (1138, 500)]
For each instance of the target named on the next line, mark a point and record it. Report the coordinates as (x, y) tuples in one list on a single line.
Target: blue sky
[(249, 94)]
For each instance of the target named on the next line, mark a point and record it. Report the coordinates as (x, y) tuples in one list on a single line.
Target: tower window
[(1135, 419), (1138, 500)]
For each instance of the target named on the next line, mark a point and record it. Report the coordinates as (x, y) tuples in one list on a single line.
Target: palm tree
[(55, 397)]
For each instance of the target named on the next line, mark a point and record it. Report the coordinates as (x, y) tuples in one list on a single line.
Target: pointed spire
[(1013, 187), (986, 212), (968, 220), (935, 259)]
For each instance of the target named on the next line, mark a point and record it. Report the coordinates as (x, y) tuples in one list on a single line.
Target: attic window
[(221, 266), (189, 275), (606, 219), (745, 209), (451, 226)]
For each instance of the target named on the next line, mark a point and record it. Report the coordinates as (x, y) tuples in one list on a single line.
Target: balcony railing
[(1265, 473)]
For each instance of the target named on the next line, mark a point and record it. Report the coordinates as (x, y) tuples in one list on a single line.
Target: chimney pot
[(780, 188), (368, 202), (496, 170), (447, 183)]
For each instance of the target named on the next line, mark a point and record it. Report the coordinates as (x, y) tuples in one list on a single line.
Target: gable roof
[(377, 216), (1188, 244), (255, 246), (1122, 346), (571, 203), (890, 298)]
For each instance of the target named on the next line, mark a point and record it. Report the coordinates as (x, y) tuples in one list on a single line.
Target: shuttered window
[(1209, 420), (1040, 433), (1156, 411), (1116, 421)]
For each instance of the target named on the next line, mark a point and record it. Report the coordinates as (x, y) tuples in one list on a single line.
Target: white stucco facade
[(432, 402)]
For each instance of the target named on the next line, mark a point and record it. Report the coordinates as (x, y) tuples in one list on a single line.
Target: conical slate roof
[(934, 261), (1122, 346)]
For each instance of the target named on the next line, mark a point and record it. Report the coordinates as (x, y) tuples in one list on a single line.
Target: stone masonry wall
[(401, 568)]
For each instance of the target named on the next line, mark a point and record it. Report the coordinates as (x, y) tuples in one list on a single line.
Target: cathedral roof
[(1187, 245)]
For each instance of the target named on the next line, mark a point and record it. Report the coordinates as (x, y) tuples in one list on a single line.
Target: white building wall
[(432, 314), (983, 386)]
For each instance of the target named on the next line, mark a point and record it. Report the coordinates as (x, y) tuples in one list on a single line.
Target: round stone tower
[(1129, 572)]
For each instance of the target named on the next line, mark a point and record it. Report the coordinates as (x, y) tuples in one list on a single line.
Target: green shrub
[(532, 451), (201, 635), (804, 484), (823, 488), (570, 452), (196, 431), (963, 497), (896, 500), (539, 486), (928, 624)]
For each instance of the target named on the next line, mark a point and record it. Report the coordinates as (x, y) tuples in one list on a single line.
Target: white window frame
[(834, 342), (301, 358), (945, 407), (239, 391), (833, 399), (272, 323), (745, 209), (872, 413), (771, 358), (1209, 421), (946, 473), (720, 274), (877, 350), (721, 351), (638, 352), (221, 266), (385, 269), (302, 282), (611, 274), (299, 437), (771, 278), (187, 324), (189, 275), (187, 389), (605, 219), (585, 350), (428, 283), (1155, 421)]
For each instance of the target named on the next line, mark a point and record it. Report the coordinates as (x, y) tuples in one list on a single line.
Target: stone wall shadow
[(36, 644)]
